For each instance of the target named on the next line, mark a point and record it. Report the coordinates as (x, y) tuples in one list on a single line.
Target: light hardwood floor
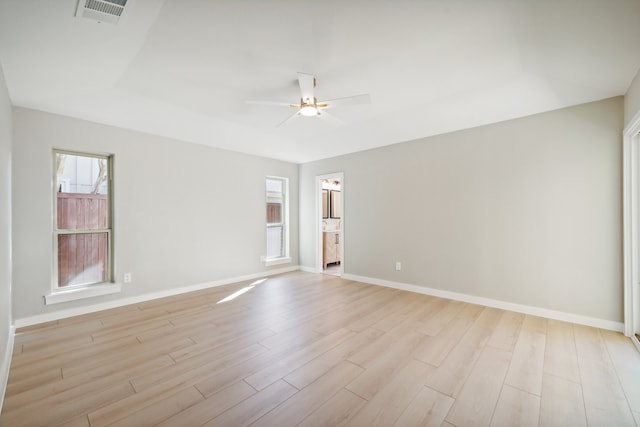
[(310, 350)]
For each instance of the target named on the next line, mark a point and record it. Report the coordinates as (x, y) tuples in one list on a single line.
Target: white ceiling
[(184, 68)]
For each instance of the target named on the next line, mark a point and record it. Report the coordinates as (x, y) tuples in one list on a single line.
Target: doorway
[(330, 224)]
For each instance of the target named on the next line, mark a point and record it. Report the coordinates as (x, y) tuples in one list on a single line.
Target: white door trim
[(319, 178), (631, 224)]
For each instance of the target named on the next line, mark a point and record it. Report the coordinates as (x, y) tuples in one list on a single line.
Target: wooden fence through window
[(82, 258)]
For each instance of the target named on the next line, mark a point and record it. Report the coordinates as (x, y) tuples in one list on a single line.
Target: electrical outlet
[(398, 266), (127, 278)]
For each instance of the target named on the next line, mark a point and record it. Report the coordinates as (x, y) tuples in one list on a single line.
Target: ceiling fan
[(309, 106)]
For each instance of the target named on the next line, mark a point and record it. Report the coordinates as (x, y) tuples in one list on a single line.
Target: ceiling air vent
[(101, 10)]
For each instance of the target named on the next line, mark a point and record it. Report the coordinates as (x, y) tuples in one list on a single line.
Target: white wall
[(632, 100), (185, 214), (526, 211), (5, 230)]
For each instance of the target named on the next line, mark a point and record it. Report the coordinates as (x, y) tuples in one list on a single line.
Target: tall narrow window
[(82, 231), (277, 219)]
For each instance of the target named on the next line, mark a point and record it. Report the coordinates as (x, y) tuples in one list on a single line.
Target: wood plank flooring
[(316, 350)]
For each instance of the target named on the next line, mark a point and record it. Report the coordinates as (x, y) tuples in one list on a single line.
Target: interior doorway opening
[(330, 220)]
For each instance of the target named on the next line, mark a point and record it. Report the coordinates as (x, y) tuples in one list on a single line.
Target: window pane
[(274, 185), (274, 213), (82, 196), (82, 258), (82, 211), (81, 174), (274, 242)]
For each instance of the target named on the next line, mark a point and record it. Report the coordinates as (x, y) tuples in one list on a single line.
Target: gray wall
[(185, 214), (526, 211), (5, 219), (632, 100)]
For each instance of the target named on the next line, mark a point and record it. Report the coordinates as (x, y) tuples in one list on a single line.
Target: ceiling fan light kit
[(309, 111)]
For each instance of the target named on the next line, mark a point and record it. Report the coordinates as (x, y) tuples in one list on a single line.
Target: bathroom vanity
[(330, 247)]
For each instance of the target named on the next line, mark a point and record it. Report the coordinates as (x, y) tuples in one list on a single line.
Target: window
[(82, 220), (277, 221)]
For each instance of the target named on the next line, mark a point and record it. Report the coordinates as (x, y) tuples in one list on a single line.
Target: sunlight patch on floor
[(239, 292)]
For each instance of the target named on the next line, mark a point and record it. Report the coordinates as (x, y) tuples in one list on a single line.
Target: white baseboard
[(309, 269), (77, 311), (519, 308), (6, 364)]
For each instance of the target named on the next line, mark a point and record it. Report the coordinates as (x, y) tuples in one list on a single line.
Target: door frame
[(318, 219), (631, 225)]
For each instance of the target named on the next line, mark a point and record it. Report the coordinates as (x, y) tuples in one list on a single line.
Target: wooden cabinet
[(330, 247)]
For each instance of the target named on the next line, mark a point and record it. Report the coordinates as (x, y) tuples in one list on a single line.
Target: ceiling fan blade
[(307, 84), (290, 118), (345, 102), (275, 103), (330, 118)]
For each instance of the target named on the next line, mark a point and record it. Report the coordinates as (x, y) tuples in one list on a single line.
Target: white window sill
[(277, 261), (64, 295)]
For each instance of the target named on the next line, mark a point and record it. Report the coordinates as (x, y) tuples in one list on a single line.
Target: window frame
[(72, 292), (631, 228), (284, 256)]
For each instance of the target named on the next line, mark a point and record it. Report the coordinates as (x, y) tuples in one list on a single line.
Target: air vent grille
[(104, 7), (101, 10)]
